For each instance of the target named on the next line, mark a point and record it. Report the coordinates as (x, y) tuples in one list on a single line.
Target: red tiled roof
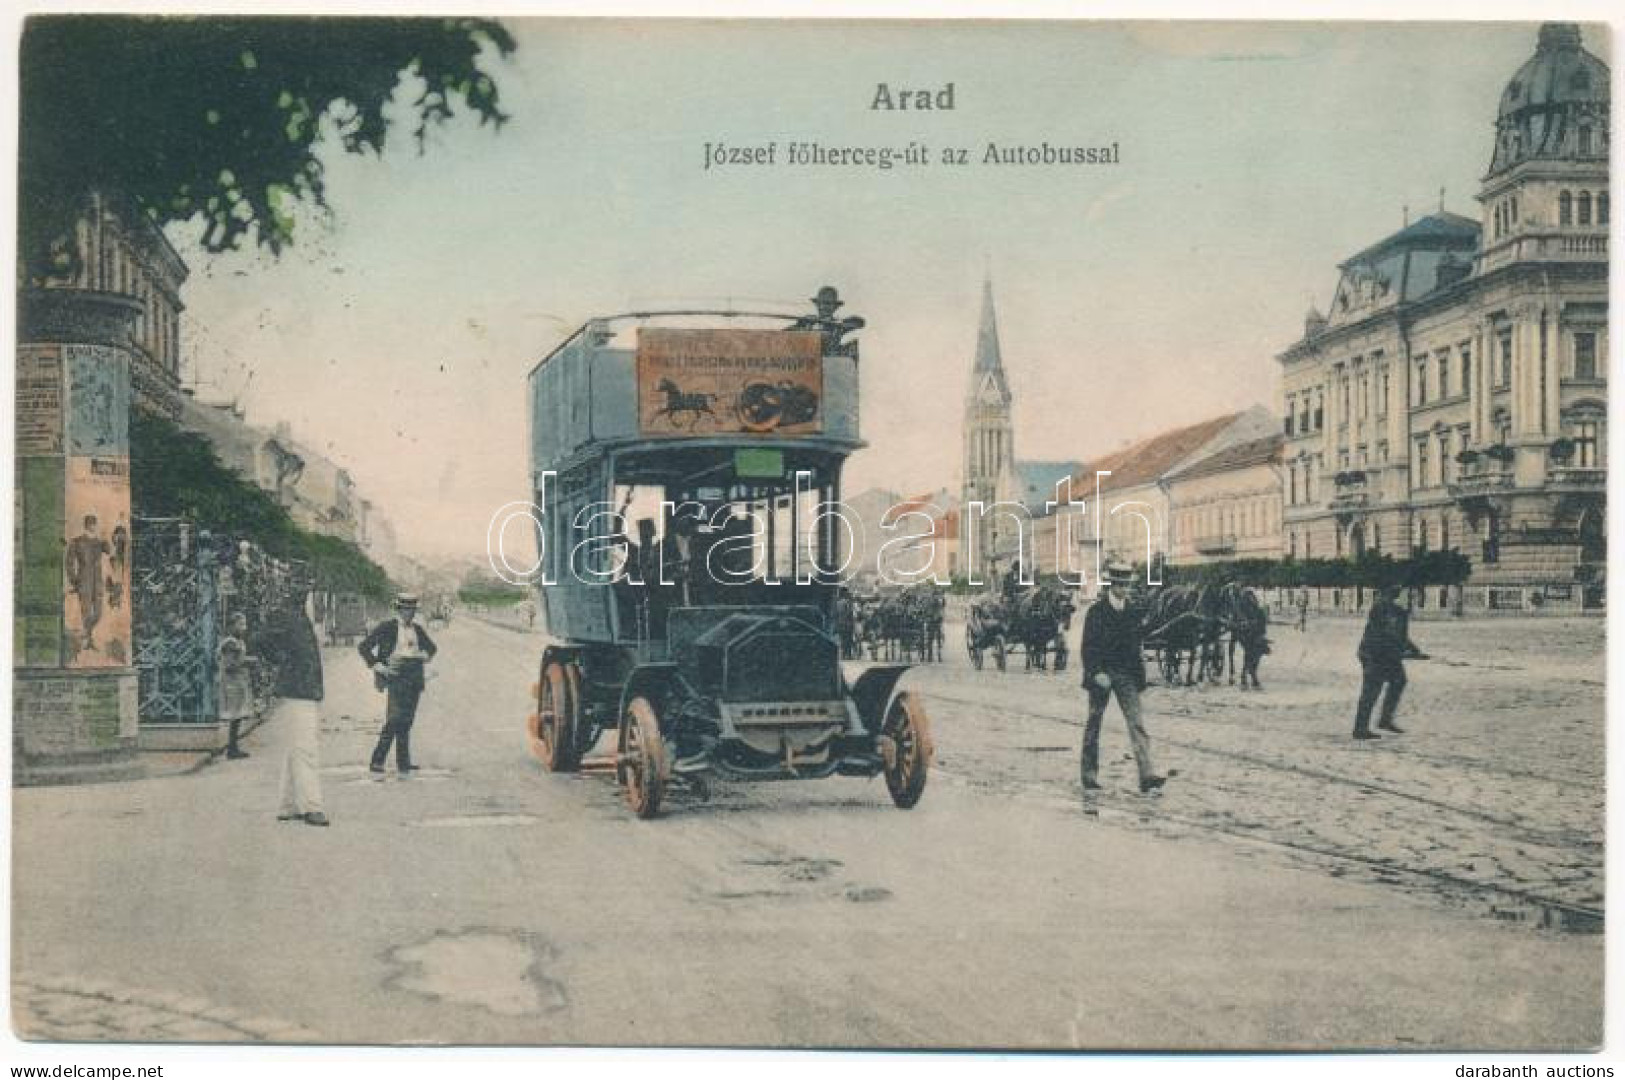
[(1256, 452), (1147, 460)]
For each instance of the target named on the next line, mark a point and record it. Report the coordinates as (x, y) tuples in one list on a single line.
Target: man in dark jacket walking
[(397, 650), (1383, 649), (1113, 665), (290, 647)]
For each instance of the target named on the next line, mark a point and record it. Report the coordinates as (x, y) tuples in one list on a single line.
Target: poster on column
[(96, 567), (98, 401)]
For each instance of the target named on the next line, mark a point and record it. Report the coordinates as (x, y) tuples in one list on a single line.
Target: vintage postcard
[(1054, 535)]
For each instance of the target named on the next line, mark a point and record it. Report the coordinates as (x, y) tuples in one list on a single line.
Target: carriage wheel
[(906, 745), (553, 734), (999, 656), (970, 647), (641, 765), (1060, 655)]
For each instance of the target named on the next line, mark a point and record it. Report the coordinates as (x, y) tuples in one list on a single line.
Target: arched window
[(1602, 208), (1583, 212), (1585, 139), (1565, 209)]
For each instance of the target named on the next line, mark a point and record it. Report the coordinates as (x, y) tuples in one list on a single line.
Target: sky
[(396, 334)]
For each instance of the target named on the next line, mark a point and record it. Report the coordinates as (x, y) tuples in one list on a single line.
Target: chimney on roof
[(1313, 322)]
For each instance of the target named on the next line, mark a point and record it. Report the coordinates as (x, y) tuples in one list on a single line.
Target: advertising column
[(73, 658)]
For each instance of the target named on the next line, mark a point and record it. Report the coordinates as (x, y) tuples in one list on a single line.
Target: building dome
[(1556, 106)]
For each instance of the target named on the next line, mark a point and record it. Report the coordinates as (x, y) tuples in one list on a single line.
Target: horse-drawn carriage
[(687, 577), (894, 623), (1032, 620), (1201, 628)]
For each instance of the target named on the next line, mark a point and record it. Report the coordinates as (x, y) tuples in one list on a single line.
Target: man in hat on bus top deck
[(397, 650), (826, 303), (1113, 666)]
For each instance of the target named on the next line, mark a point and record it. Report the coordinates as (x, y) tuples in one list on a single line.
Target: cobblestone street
[(1493, 797), (1289, 889)]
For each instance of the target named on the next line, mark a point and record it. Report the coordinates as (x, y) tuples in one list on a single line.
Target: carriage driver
[(1113, 666), (1010, 584)]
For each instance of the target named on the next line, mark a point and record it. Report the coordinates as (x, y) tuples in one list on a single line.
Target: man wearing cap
[(1113, 665), (1383, 649), (397, 650)]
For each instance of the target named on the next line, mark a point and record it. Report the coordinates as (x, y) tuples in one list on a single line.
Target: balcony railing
[(1578, 476), (1481, 483), (1586, 245)]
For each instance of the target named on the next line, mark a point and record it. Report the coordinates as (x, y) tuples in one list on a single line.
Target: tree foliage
[(176, 473), (220, 118)]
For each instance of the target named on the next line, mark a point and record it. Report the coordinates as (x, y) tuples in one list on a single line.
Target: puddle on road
[(500, 973), (477, 821)]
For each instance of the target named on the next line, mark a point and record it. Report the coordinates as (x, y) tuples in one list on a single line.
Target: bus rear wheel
[(554, 732)]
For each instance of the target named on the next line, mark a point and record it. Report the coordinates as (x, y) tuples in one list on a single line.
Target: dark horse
[(1183, 623), (696, 404), (1249, 627), (924, 603), (1038, 621)]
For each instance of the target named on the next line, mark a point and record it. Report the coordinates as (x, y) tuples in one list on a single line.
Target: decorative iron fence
[(189, 585)]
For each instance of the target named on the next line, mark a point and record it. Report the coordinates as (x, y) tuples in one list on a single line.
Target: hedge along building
[(1455, 395)]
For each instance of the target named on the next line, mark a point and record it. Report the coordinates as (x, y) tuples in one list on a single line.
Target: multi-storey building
[(122, 253), (1117, 506), (1227, 505), (1455, 394)]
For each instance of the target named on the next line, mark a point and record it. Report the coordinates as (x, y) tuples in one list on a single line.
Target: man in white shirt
[(397, 651)]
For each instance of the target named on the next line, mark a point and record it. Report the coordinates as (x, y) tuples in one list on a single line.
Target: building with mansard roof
[(1455, 394)]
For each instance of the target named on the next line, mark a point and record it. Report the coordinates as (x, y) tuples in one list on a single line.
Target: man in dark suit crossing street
[(397, 651), (1384, 647), (1114, 667)]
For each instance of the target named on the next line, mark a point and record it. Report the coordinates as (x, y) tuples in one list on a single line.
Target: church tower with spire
[(989, 441)]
